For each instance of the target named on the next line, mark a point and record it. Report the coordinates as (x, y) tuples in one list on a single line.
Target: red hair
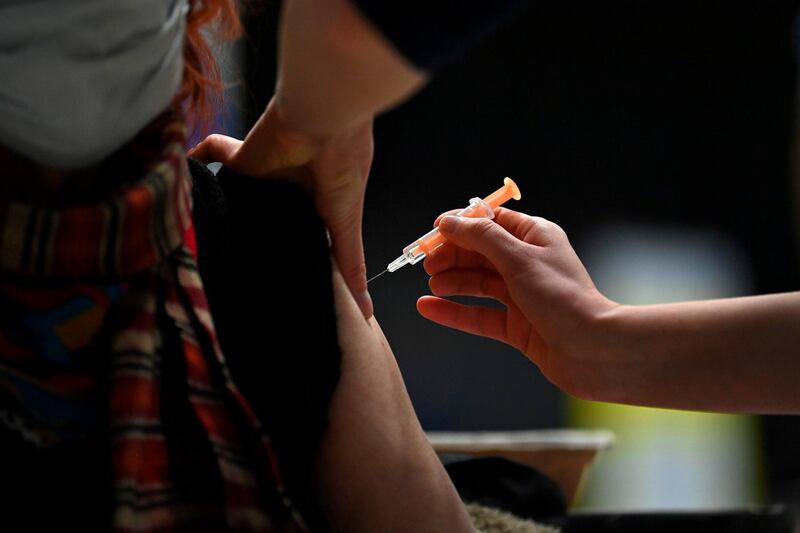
[(202, 84)]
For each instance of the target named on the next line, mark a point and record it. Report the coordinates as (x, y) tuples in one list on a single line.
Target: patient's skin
[(375, 469)]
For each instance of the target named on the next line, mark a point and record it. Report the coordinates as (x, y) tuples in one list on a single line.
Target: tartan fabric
[(105, 328)]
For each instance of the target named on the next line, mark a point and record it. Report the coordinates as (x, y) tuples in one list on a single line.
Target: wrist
[(598, 351), (635, 358)]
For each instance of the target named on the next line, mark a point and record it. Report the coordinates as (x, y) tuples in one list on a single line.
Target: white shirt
[(79, 78)]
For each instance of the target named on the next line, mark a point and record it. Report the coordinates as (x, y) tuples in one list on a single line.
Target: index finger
[(533, 230), (450, 256), (439, 218)]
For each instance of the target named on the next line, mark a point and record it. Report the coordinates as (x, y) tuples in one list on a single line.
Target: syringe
[(417, 250)]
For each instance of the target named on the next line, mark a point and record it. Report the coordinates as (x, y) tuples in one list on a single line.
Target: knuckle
[(543, 230), (483, 227), (557, 230), (536, 228), (215, 139), (542, 224)]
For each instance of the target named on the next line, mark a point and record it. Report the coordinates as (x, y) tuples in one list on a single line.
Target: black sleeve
[(275, 320), (431, 33)]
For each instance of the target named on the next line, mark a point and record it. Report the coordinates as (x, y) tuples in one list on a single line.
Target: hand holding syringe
[(417, 250)]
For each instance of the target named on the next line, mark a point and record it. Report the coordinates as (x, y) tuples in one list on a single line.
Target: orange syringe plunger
[(508, 191), (426, 244), (505, 193)]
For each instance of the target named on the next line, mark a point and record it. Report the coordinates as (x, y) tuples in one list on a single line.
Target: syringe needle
[(377, 276), (425, 245)]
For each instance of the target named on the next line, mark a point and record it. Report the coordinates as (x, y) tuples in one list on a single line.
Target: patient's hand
[(333, 169)]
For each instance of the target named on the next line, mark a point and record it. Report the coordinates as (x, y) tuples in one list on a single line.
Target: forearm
[(336, 69), (738, 355)]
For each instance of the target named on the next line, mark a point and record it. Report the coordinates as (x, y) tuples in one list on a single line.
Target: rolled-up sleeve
[(432, 33)]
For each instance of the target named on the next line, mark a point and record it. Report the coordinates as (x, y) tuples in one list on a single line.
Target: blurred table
[(564, 455)]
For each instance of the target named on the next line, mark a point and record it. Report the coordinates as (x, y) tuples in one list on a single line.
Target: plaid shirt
[(104, 327)]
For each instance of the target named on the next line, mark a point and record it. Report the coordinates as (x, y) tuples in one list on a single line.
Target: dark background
[(673, 112)]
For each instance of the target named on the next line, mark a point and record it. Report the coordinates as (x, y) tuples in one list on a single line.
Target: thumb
[(342, 211), (486, 237), (216, 149), (348, 249)]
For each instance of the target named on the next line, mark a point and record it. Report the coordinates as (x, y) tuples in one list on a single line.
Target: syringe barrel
[(429, 243), (418, 249), (422, 247)]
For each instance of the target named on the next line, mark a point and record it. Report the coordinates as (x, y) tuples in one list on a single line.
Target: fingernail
[(449, 223)]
